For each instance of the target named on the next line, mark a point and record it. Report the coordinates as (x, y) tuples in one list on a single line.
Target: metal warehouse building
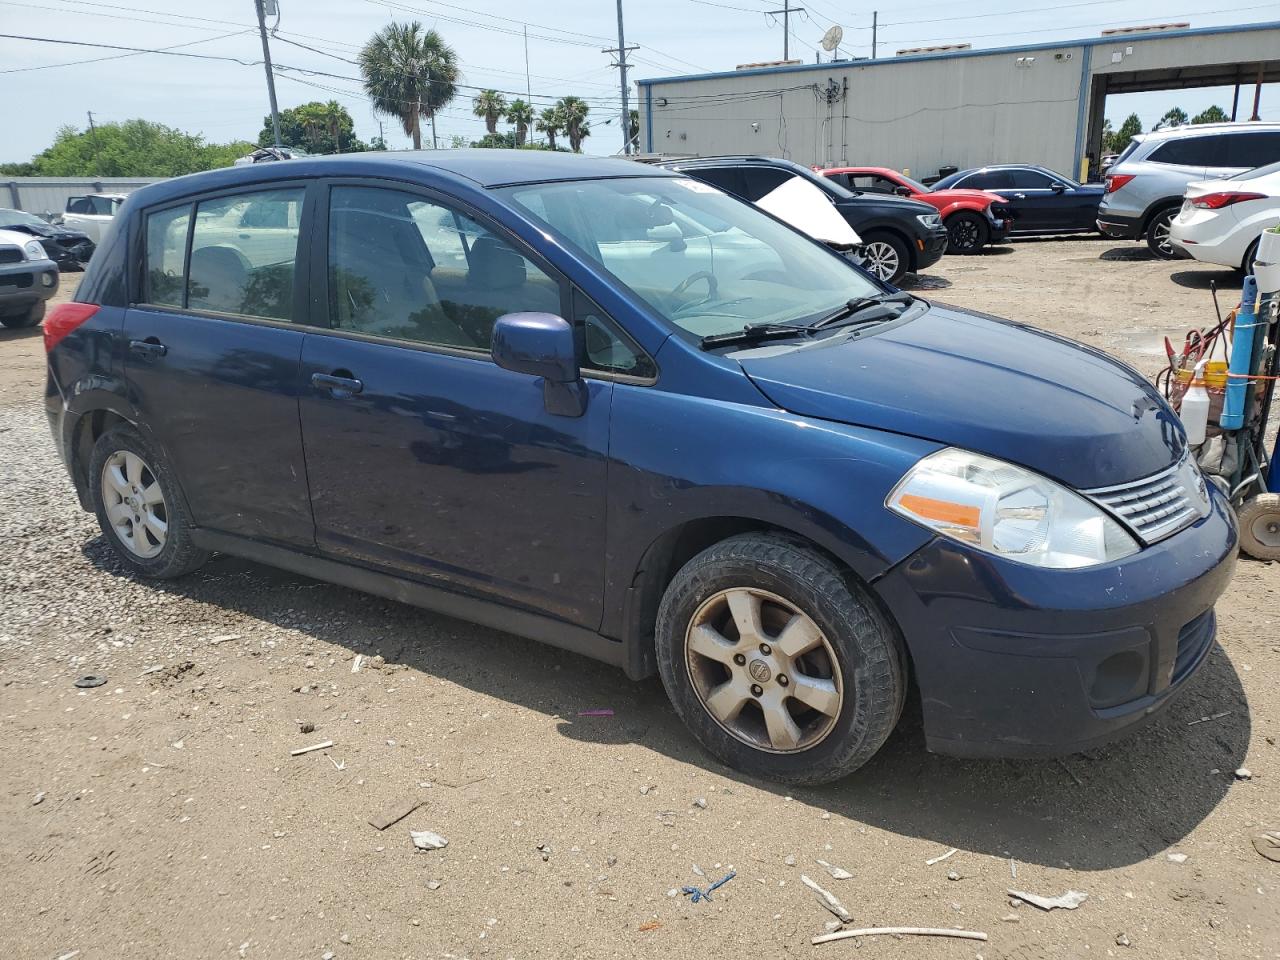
[(1036, 104)]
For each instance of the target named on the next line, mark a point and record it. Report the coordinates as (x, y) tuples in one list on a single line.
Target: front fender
[(971, 206)]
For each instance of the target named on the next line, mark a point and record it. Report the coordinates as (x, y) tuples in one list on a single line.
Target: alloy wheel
[(1160, 234), (135, 504), (763, 670), (881, 259), (964, 235)]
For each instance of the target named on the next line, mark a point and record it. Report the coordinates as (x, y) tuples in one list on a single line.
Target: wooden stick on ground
[(319, 746), (899, 931)]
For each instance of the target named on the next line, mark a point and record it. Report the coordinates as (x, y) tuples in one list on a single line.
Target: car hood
[(48, 231), (984, 384), (907, 207)]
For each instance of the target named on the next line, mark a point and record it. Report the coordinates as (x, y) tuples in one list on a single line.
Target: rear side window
[(1249, 149), (166, 256), (761, 181), (728, 179), (243, 251), (416, 270), (1188, 152)]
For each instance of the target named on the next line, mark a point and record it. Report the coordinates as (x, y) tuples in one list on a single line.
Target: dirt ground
[(161, 815)]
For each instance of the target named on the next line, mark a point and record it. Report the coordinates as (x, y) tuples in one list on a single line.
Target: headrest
[(495, 265)]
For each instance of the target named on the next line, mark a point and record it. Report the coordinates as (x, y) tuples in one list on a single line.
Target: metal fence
[(41, 195)]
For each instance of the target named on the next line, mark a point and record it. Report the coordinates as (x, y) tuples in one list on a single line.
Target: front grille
[(19, 280), (1158, 506), (11, 255), (1192, 641)]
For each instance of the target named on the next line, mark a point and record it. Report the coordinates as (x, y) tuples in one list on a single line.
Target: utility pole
[(786, 11), (622, 50), (260, 5), (528, 87), (875, 18), (93, 135)]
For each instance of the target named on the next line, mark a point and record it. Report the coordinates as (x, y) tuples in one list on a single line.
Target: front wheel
[(966, 233), (1158, 240), (28, 317), (778, 662), (885, 257)]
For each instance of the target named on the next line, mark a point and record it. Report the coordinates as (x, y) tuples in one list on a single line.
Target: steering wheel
[(691, 279)]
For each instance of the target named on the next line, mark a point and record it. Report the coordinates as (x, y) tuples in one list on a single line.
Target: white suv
[(1146, 183)]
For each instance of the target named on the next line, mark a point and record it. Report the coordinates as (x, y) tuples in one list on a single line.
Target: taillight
[(1117, 180), (64, 318), (1225, 198)]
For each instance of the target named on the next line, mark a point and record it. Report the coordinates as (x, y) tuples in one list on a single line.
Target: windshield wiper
[(860, 304), (756, 332)]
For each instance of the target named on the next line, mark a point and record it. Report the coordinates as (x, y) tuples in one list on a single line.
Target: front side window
[(411, 269), (605, 346), (1031, 180), (166, 256), (702, 261), (988, 180), (243, 253)]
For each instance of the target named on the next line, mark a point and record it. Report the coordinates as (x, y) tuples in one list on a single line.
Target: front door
[(212, 362), (425, 458)]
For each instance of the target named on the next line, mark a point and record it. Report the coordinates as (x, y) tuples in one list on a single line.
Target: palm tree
[(551, 122), (334, 115), (574, 110), (409, 73), (521, 114), (491, 105)]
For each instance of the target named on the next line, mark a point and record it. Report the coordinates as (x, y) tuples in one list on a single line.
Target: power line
[(121, 56)]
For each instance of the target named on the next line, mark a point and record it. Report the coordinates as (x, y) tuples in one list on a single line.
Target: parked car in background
[(27, 279), (1145, 186), (92, 213), (973, 218), (69, 249), (899, 236), (498, 384), (1040, 200), (1221, 221)]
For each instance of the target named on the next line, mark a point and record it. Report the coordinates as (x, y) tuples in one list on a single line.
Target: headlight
[(1008, 511), (34, 250), (930, 220)]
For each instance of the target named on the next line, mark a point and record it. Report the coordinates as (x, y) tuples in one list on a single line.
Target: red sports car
[(973, 218)]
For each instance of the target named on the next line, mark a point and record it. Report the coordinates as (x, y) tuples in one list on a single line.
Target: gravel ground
[(161, 815)]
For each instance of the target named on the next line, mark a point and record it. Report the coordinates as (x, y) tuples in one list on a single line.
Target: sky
[(48, 85)]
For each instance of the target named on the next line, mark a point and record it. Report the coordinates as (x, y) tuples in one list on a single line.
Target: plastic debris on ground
[(696, 894)]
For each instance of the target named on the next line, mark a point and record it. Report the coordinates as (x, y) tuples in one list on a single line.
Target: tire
[(1250, 255), (855, 665), (967, 233), (27, 318), (154, 496), (1259, 521), (1158, 234), (885, 257)]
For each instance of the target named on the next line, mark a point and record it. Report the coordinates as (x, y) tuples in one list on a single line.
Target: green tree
[(134, 148), (1131, 127), (574, 110), (551, 121), (1174, 117), (492, 106), (410, 74), (496, 140), (1214, 114), (315, 127), (520, 114)]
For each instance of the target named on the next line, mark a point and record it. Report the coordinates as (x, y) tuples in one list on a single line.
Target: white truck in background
[(92, 212)]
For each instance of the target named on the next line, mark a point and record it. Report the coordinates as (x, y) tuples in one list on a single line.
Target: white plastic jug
[(1195, 408)]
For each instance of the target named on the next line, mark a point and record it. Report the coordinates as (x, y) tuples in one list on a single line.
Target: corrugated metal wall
[(39, 194)]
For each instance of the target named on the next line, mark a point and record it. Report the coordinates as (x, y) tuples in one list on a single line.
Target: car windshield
[(915, 185), (703, 261), (10, 217), (1256, 172)]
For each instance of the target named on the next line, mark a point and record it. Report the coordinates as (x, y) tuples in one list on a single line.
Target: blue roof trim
[(960, 54)]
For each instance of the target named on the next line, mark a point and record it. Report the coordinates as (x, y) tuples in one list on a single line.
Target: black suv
[(899, 236)]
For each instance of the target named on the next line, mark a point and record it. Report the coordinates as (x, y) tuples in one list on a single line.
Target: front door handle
[(148, 348), (340, 387), (1019, 196)]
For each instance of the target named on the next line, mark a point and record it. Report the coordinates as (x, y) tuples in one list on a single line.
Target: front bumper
[(1016, 661), (1119, 227), (930, 247), (22, 284)]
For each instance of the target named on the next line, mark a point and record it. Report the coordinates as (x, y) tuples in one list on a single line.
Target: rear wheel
[(1158, 241), (966, 233), (885, 257), (780, 665), (27, 317), (1260, 526), (140, 508), (1250, 255)]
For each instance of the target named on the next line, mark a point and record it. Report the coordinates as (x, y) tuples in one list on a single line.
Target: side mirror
[(902, 191), (542, 345), (1059, 188)]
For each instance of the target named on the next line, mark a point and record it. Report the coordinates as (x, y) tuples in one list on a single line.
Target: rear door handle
[(148, 348), (340, 387)]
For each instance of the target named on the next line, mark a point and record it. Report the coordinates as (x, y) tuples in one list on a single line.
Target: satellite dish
[(831, 39)]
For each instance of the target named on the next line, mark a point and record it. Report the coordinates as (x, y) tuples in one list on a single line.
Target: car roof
[(730, 161), (1199, 129), (482, 167)]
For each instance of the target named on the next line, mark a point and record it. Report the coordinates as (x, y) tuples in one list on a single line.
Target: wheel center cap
[(759, 671)]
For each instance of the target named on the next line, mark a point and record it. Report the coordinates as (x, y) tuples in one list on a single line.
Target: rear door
[(213, 352), (426, 458)]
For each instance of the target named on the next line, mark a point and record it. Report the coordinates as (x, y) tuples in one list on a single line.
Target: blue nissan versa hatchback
[(611, 408)]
